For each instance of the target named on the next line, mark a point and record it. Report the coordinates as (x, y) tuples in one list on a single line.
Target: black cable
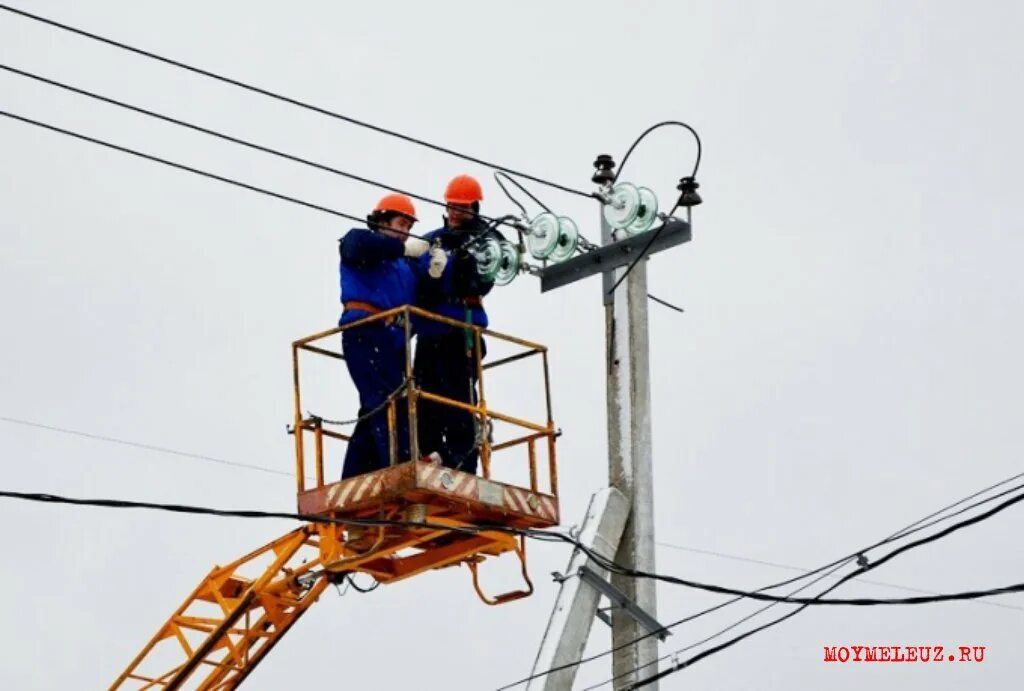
[(539, 534), (229, 138), (320, 166), (190, 169), (664, 303), (639, 257), (913, 528), (817, 600), (916, 526), (667, 123), (181, 166), (522, 209), (242, 513), (805, 570), (584, 244), (285, 99), (859, 602), (359, 589), (643, 253), (725, 630), (629, 152), (632, 265), (502, 174)]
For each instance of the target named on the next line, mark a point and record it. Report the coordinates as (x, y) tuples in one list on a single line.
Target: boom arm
[(232, 619)]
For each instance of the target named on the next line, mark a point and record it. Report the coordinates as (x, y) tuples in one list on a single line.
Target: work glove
[(414, 247), (438, 260)]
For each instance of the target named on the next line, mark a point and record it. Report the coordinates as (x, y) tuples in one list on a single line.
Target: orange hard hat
[(463, 189), (396, 203)]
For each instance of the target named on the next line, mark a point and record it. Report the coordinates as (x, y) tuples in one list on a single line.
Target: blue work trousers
[(375, 356), (445, 367)]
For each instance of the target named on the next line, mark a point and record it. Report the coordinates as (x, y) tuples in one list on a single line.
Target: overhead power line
[(917, 526), (805, 571), (182, 166), (820, 597), (286, 99), (692, 178), (548, 536), (141, 445), (222, 178), (757, 595), (227, 137)]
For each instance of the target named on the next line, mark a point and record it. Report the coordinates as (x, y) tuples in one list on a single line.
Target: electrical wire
[(321, 166), (666, 123), (585, 245), (584, 242), (551, 536), (229, 138), (643, 253), (758, 595), (202, 457), (499, 174), (238, 513), (829, 574), (316, 109), (522, 209), (665, 304), (181, 166), (820, 597), (657, 231), (358, 588), (147, 447), (804, 570), (190, 169), (286, 99), (917, 526)]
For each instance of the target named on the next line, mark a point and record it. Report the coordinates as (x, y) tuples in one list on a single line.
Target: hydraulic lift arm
[(232, 619)]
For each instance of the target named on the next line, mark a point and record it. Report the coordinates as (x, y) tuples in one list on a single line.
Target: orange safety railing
[(531, 433)]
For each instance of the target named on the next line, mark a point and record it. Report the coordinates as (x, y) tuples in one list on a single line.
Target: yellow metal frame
[(534, 432), (231, 621), (238, 612)]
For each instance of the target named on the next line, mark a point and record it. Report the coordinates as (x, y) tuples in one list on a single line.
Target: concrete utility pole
[(630, 462), (628, 373)]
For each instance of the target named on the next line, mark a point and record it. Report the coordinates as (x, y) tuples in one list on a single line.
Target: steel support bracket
[(619, 600), (612, 256)]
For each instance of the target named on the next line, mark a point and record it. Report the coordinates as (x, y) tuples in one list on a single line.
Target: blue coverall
[(374, 272), (444, 362)]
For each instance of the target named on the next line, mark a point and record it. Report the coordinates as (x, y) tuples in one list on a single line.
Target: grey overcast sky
[(848, 362)]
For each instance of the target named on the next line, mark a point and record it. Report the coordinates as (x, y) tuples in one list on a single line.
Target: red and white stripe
[(516, 499), (462, 484), (549, 507), (353, 491), (530, 504)]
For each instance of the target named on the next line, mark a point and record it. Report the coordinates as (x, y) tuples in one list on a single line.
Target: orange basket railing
[(529, 433)]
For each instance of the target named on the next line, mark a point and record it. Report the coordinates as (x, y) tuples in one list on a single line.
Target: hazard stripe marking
[(362, 489), (549, 507), (332, 496), (513, 501), (461, 484)]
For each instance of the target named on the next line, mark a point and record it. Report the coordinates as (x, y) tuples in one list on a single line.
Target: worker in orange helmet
[(445, 357), (379, 272)]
